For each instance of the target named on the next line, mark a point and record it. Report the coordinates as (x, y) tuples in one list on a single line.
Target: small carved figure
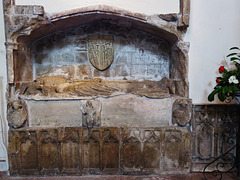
[(91, 114), (182, 111)]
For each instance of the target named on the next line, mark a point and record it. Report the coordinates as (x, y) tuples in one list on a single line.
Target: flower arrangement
[(229, 82)]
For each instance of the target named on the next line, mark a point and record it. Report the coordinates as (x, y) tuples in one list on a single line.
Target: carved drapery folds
[(138, 55)]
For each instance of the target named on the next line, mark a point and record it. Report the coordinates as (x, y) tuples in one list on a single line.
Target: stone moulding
[(127, 18)]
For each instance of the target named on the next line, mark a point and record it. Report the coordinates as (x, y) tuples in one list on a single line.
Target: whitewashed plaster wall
[(147, 7), (214, 29), (3, 86)]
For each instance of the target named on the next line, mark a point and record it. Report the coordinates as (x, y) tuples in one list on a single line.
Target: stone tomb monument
[(97, 90)]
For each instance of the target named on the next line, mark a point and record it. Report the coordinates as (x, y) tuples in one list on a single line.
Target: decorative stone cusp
[(101, 51)]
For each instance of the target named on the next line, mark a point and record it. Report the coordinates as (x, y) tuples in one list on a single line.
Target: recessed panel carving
[(49, 151), (173, 150), (13, 148), (151, 152), (104, 150), (91, 151), (70, 151), (110, 150), (214, 128), (28, 148), (131, 153)]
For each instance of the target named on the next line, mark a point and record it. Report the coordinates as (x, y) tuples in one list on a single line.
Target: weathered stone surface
[(83, 151), (179, 88), (179, 61), (132, 17), (49, 158), (135, 111), (70, 153), (91, 113), (101, 51), (185, 14), (58, 87), (182, 111), (144, 57), (10, 47), (38, 10), (149, 65), (54, 113), (154, 150), (169, 17), (26, 143), (214, 130), (17, 114)]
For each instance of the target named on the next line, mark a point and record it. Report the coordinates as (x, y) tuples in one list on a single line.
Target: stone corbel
[(183, 21)]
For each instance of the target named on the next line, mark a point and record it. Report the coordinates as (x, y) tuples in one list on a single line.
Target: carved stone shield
[(100, 49)]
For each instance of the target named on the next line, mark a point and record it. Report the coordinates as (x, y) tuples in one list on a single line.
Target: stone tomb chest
[(97, 91)]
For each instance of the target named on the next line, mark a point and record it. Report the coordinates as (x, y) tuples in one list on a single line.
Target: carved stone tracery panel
[(214, 133), (82, 151)]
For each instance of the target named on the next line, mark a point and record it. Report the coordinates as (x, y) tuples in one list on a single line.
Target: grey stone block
[(55, 113), (135, 111)]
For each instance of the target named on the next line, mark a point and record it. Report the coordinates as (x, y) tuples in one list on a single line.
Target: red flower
[(217, 80), (221, 69)]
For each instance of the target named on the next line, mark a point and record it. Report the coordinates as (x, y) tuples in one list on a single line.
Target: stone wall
[(137, 55)]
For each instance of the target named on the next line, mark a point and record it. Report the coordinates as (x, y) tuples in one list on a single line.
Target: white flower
[(233, 79)]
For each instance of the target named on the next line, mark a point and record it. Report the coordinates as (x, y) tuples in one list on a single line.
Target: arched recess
[(40, 27)]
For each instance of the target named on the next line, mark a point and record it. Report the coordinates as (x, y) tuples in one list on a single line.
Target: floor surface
[(193, 176)]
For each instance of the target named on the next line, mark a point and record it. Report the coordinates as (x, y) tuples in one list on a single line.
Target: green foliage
[(228, 83)]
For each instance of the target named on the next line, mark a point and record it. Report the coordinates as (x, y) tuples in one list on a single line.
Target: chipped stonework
[(89, 117), (183, 21), (214, 129), (91, 114), (179, 61), (104, 150), (17, 114), (182, 111)]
